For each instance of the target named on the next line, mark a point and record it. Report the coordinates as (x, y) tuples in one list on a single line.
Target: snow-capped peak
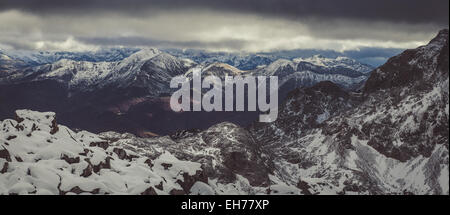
[(4, 57), (221, 69), (338, 62), (280, 63), (144, 54)]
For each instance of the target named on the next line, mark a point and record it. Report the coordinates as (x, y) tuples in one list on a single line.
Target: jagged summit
[(421, 64), (279, 64), (441, 37)]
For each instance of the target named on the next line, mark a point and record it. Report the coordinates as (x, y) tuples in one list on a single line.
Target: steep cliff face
[(392, 138), (409, 97)]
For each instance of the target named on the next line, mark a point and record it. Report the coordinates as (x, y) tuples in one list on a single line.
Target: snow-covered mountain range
[(35, 58), (147, 68), (149, 64), (251, 61), (130, 94), (391, 137), (305, 72)]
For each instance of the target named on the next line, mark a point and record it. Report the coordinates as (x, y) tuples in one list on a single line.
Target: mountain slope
[(394, 141)]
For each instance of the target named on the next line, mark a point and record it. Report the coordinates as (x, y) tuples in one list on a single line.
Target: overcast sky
[(218, 25)]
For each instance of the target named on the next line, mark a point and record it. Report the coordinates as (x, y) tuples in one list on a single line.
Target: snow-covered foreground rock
[(38, 156)]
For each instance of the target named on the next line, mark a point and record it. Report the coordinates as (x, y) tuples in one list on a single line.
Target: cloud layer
[(249, 26)]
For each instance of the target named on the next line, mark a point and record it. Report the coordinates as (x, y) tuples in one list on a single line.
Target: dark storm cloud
[(410, 11), (232, 25)]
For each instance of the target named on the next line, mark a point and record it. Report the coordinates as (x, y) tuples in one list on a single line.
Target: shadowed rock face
[(239, 153), (414, 65), (305, 109)]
